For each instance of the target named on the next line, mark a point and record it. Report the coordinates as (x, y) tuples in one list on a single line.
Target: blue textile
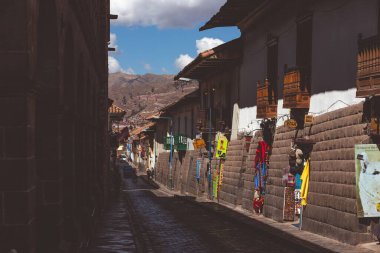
[(198, 170), (298, 181)]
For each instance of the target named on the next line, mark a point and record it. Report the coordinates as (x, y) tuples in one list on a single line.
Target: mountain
[(140, 95)]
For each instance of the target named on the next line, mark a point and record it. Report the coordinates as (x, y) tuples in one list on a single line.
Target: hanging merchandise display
[(299, 165), (221, 150), (215, 180), (222, 144), (261, 163), (260, 176), (199, 144), (198, 169), (297, 201), (221, 170), (289, 204), (208, 175), (305, 183)]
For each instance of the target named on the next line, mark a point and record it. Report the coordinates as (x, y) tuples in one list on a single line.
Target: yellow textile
[(305, 182), (221, 149)]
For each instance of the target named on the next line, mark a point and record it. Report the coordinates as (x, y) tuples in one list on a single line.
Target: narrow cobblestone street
[(115, 232), (163, 223)]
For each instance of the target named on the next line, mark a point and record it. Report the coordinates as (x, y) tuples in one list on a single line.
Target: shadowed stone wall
[(54, 148)]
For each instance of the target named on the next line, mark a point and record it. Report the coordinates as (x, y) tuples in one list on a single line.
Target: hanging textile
[(260, 176), (215, 183), (305, 182), (221, 170), (198, 169), (261, 167)]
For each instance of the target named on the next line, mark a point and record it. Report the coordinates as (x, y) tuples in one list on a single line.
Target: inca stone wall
[(55, 171), (248, 185), (234, 166), (331, 209), (162, 168), (184, 172)]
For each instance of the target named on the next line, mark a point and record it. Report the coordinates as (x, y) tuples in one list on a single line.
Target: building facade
[(217, 71), (322, 42), (320, 37), (54, 154)]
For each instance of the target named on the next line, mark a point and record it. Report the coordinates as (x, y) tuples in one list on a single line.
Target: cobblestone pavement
[(144, 218), (174, 224), (115, 232)]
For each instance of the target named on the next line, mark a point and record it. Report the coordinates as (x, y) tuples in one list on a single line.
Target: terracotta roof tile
[(115, 109)]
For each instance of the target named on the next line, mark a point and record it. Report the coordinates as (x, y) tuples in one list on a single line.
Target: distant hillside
[(144, 94)]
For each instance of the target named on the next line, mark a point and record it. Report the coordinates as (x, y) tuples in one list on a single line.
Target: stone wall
[(54, 148), (162, 168), (184, 172), (248, 185), (331, 209), (235, 164)]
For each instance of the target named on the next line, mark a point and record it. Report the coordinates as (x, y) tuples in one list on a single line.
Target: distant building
[(179, 119), (217, 71)]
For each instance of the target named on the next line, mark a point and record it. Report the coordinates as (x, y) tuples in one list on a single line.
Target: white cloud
[(164, 13), (201, 45), (147, 67), (113, 41), (114, 66), (207, 43), (183, 60)]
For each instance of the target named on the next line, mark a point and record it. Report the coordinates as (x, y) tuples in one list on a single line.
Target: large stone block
[(19, 207), (49, 169), (16, 111), (18, 237), (16, 174), (19, 142), (52, 191)]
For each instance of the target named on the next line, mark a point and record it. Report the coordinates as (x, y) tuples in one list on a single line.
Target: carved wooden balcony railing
[(266, 101), (295, 92), (368, 67)]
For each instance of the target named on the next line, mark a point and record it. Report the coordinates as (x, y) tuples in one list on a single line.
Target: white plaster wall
[(319, 104)]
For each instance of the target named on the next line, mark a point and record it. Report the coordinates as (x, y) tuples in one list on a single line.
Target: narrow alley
[(162, 222), (189, 126)]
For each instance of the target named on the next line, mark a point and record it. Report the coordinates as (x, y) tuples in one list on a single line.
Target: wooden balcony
[(295, 92), (266, 101), (368, 67)]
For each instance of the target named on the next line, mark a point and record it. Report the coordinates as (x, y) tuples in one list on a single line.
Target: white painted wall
[(319, 104)]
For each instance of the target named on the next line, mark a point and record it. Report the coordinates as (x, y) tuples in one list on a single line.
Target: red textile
[(258, 204)]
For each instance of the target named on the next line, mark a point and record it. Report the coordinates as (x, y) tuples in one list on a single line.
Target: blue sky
[(161, 37)]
